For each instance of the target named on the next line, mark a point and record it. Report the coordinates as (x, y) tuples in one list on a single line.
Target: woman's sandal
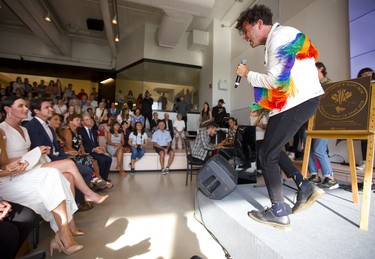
[(100, 184), (109, 185), (77, 232)]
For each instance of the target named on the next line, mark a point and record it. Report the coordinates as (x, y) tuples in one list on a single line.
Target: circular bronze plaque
[(343, 100)]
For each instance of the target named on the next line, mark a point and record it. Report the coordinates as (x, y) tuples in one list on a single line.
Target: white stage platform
[(329, 229)]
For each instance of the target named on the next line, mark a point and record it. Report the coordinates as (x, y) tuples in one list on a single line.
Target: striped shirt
[(202, 145)]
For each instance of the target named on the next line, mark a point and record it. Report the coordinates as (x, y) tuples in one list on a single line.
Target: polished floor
[(148, 215)]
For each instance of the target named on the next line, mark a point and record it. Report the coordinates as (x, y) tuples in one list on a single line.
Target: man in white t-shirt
[(179, 130)]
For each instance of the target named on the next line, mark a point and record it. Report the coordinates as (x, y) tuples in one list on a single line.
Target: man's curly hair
[(253, 14)]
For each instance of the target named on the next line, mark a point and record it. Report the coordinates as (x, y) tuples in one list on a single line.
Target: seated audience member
[(154, 122), (90, 112), (232, 129), (162, 143), (138, 141), (71, 142), (137, 118), (125, 114), (125, 125), (60, 108), (16, 223), (179, 130), (104, 121), (113, 112), (168, 125), (205, 115), (91, 145), (202, 147), (70, 111), (43, 189), (42, 135), (115, 142), (87, 106), (99, 111), (229, 153)]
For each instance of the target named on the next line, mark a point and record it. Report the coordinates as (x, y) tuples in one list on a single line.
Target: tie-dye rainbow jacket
[(291, 77)]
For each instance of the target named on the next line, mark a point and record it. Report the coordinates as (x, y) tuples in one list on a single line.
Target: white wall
[(325, 22), (179, 54), (130, 50), (221, 78), (206, 85)]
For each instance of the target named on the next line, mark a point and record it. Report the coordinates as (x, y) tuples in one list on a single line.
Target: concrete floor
[(148, 215)]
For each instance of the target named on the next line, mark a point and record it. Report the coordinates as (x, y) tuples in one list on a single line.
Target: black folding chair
[(190, 162)]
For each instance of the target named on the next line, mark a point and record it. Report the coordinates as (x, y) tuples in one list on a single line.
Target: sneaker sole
[(272, 224), (310, 201), (333, 187)]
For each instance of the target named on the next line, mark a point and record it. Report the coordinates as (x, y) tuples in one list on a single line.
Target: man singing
[(292, 96)]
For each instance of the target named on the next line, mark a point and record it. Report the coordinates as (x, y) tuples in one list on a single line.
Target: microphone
[(238, 78)]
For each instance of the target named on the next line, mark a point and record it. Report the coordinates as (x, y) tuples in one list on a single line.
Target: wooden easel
[(350, 135)]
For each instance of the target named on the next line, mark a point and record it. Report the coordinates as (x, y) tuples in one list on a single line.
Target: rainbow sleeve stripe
[(300, 48), (259, 93)]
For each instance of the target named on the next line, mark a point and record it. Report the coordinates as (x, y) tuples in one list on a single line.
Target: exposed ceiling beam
[(32, 13), (108, 26)]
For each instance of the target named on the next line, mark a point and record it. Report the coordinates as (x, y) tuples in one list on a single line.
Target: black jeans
[(280, 129)]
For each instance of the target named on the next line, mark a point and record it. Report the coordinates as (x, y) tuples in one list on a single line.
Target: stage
[(329, 229)]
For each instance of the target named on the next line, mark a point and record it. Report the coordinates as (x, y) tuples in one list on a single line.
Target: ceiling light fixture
[(114, 20), (107, 81), (47, 18)]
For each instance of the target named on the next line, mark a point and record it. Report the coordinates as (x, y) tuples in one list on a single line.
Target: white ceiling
[(174, 17)]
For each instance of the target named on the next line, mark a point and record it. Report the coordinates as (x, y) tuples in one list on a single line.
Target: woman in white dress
[(18, 136), (115, 143), (44, 190)]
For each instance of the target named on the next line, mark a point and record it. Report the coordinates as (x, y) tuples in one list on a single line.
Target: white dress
[(114, 139), (41, 189)]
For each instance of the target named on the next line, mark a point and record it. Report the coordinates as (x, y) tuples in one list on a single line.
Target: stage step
[(329, 229)]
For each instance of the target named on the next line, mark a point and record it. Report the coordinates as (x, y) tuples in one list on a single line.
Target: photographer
[(138, 140)]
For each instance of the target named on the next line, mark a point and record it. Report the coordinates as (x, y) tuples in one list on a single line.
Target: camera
[(139, 147)]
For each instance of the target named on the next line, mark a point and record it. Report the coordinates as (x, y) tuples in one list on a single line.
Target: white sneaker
[(292, 156), (361, 166), (167, 170), (250, 170), (163, 171)]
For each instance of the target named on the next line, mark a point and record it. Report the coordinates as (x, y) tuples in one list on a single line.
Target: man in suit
[(43, 135), (154, 122), (91, 145), (168, 124)]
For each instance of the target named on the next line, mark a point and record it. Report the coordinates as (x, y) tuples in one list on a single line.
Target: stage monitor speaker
[(217, 178)]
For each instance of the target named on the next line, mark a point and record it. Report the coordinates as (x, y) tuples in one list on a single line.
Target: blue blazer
[(39, 137)]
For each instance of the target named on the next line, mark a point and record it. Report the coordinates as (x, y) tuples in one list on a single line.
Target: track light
[(47, 18), (114, 20), (107, 81), (117, 38)]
